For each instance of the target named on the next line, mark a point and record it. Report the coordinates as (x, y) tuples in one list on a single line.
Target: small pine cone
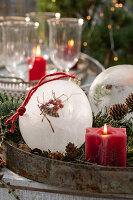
[(118, 111), (129, 102), (56, 155), (50, 112), (24, 147), (71, 150), (37, 151)]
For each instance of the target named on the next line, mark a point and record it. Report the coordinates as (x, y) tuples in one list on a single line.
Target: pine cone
[(71, 150), (37, 151), (129, 102), (24, 147), (118, 111), (56, 156)]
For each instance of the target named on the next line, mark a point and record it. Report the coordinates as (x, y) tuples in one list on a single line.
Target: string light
[(101, 14), (120, 5), (117, 5), (112, 9), (88, 17), (114, 1), (85, 44), (117, 26), (115, 58), (109, 26)]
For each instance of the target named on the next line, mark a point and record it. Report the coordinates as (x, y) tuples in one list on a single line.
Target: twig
[(11, 190)]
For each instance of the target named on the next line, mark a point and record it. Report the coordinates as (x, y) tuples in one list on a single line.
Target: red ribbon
[(21, 110)]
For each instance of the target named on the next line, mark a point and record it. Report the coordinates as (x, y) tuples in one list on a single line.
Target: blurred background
[(17, 7), (108, 29)]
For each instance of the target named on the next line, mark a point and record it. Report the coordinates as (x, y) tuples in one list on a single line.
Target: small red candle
[(106, 146), (69, 50), (38, 69)]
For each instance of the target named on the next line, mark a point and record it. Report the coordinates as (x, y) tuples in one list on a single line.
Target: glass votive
[(16, 18), (9, 18), (18, 38), (43, 30), (65, 41)]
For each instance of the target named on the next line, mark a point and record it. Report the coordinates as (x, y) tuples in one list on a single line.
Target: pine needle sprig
[(8, 107)]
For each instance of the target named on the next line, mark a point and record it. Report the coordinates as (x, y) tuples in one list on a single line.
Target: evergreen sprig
[(8, 107)]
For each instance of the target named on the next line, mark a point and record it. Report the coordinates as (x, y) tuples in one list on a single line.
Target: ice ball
[(110, 87), (57, 113)]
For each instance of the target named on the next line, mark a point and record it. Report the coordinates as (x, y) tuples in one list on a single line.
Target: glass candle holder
[(8, 18), (65, 41), (43, 30), (16, 18), (18, 38)]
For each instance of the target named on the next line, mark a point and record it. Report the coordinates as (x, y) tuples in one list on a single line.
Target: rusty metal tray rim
[(77, 165), (67, 175)]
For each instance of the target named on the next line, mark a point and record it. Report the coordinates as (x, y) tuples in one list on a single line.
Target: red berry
[(51, 101), (41, 106), (56, 108), (58, 101), (54, 103)]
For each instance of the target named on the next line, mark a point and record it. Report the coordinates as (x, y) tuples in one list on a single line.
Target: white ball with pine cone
[(113, 89)]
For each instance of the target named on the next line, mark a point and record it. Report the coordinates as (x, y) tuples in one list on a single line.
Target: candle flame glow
[(38, 51), (34, 50), (105, 129), (71, 43)]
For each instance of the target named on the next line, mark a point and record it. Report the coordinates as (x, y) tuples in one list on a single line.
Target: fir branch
[(9, 107), (100, 92)]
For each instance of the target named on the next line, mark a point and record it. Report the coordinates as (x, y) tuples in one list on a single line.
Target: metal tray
[(86, 71), (85, 178)]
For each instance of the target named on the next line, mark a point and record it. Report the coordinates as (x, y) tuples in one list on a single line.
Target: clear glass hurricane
[(65, 41), (16, 18), (18, 39), (43, 30)]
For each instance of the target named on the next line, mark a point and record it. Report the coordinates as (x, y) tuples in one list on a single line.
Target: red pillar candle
[(106, 147), (38, 69)]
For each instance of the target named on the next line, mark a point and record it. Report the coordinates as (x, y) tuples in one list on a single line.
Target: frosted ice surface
[(110, 87), (71, 124)]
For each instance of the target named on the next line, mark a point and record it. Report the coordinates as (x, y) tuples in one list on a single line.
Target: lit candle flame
[(71, 43), (38, 51), (105, 129)]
